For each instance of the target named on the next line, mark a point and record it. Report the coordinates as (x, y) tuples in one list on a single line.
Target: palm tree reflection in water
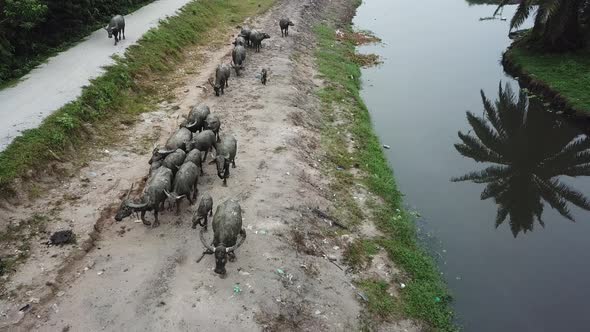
[(529, 148)]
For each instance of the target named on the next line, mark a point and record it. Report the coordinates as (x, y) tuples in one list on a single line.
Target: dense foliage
[(558, 25), (30, 30)]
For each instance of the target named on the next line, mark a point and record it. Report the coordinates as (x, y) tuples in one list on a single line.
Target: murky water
[(60, 80), (506, 270)]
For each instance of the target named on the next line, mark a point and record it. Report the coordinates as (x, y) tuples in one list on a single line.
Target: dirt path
[(135, 278)]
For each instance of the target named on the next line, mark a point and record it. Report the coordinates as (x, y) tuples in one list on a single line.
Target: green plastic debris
[(237, 289), (437, 299), (280, 271)]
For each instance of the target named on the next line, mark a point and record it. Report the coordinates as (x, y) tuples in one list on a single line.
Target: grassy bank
[(565, 74), (425, 298), (125, 90)]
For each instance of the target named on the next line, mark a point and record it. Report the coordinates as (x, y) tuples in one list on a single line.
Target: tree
[(23, 13), (557, 25), (530, 149)]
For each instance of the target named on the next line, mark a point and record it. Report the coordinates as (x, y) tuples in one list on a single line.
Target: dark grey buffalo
[(285, 23), (174, 160), (246, 32), (214, 124), (225, 150), (222, 74), (196, 118), (116, 28), (185, 184), (240, 40), (178, 140), (263, 76), (256, 39), (203, 142), (204, 210), (195, 157), (228, 234), (238, 56), (153, 197)]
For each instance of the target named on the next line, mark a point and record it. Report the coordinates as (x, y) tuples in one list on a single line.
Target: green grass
[(359, 253), (568, 74), (426, 296), (125, 90), (381, 303)]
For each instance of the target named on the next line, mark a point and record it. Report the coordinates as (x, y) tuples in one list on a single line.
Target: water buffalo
[(285, 23), (195, 157), (185, 184), (203, 141), (238, 56), (205, 209), (196, 118), (227, 227), (226, 150), (240, 40), (256, 39), (222, 74), (116, 28), (263, 76), (214, 124), (246, 32), (178, 140), (152, 199)]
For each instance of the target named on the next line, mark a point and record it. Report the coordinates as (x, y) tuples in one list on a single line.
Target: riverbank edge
[(424, 296), (125, 90), (37, 60), (517, 68)]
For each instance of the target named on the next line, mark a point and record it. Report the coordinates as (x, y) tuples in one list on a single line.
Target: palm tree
[(529, 148), (557, 24)]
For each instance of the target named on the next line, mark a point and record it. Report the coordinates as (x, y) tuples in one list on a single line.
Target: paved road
[(60, 80)]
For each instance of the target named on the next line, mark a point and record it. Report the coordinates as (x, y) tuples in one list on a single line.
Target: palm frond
[(493, 189), (486, 175), (501, 215), (474, 149), (488, 136), (570, 194), (492, 113), (579, 170), (522, 13), (555, 201)]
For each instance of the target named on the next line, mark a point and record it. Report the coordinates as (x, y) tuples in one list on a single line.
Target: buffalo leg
[(145, 222), (233, 163), (178, 201), (195, 192), (204, 222), (123, 33), (156, 223)]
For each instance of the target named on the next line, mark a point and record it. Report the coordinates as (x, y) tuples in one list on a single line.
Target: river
[(510, 275), (60, 80)]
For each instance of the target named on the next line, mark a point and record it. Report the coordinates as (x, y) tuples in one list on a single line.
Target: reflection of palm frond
[(530, 149)]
